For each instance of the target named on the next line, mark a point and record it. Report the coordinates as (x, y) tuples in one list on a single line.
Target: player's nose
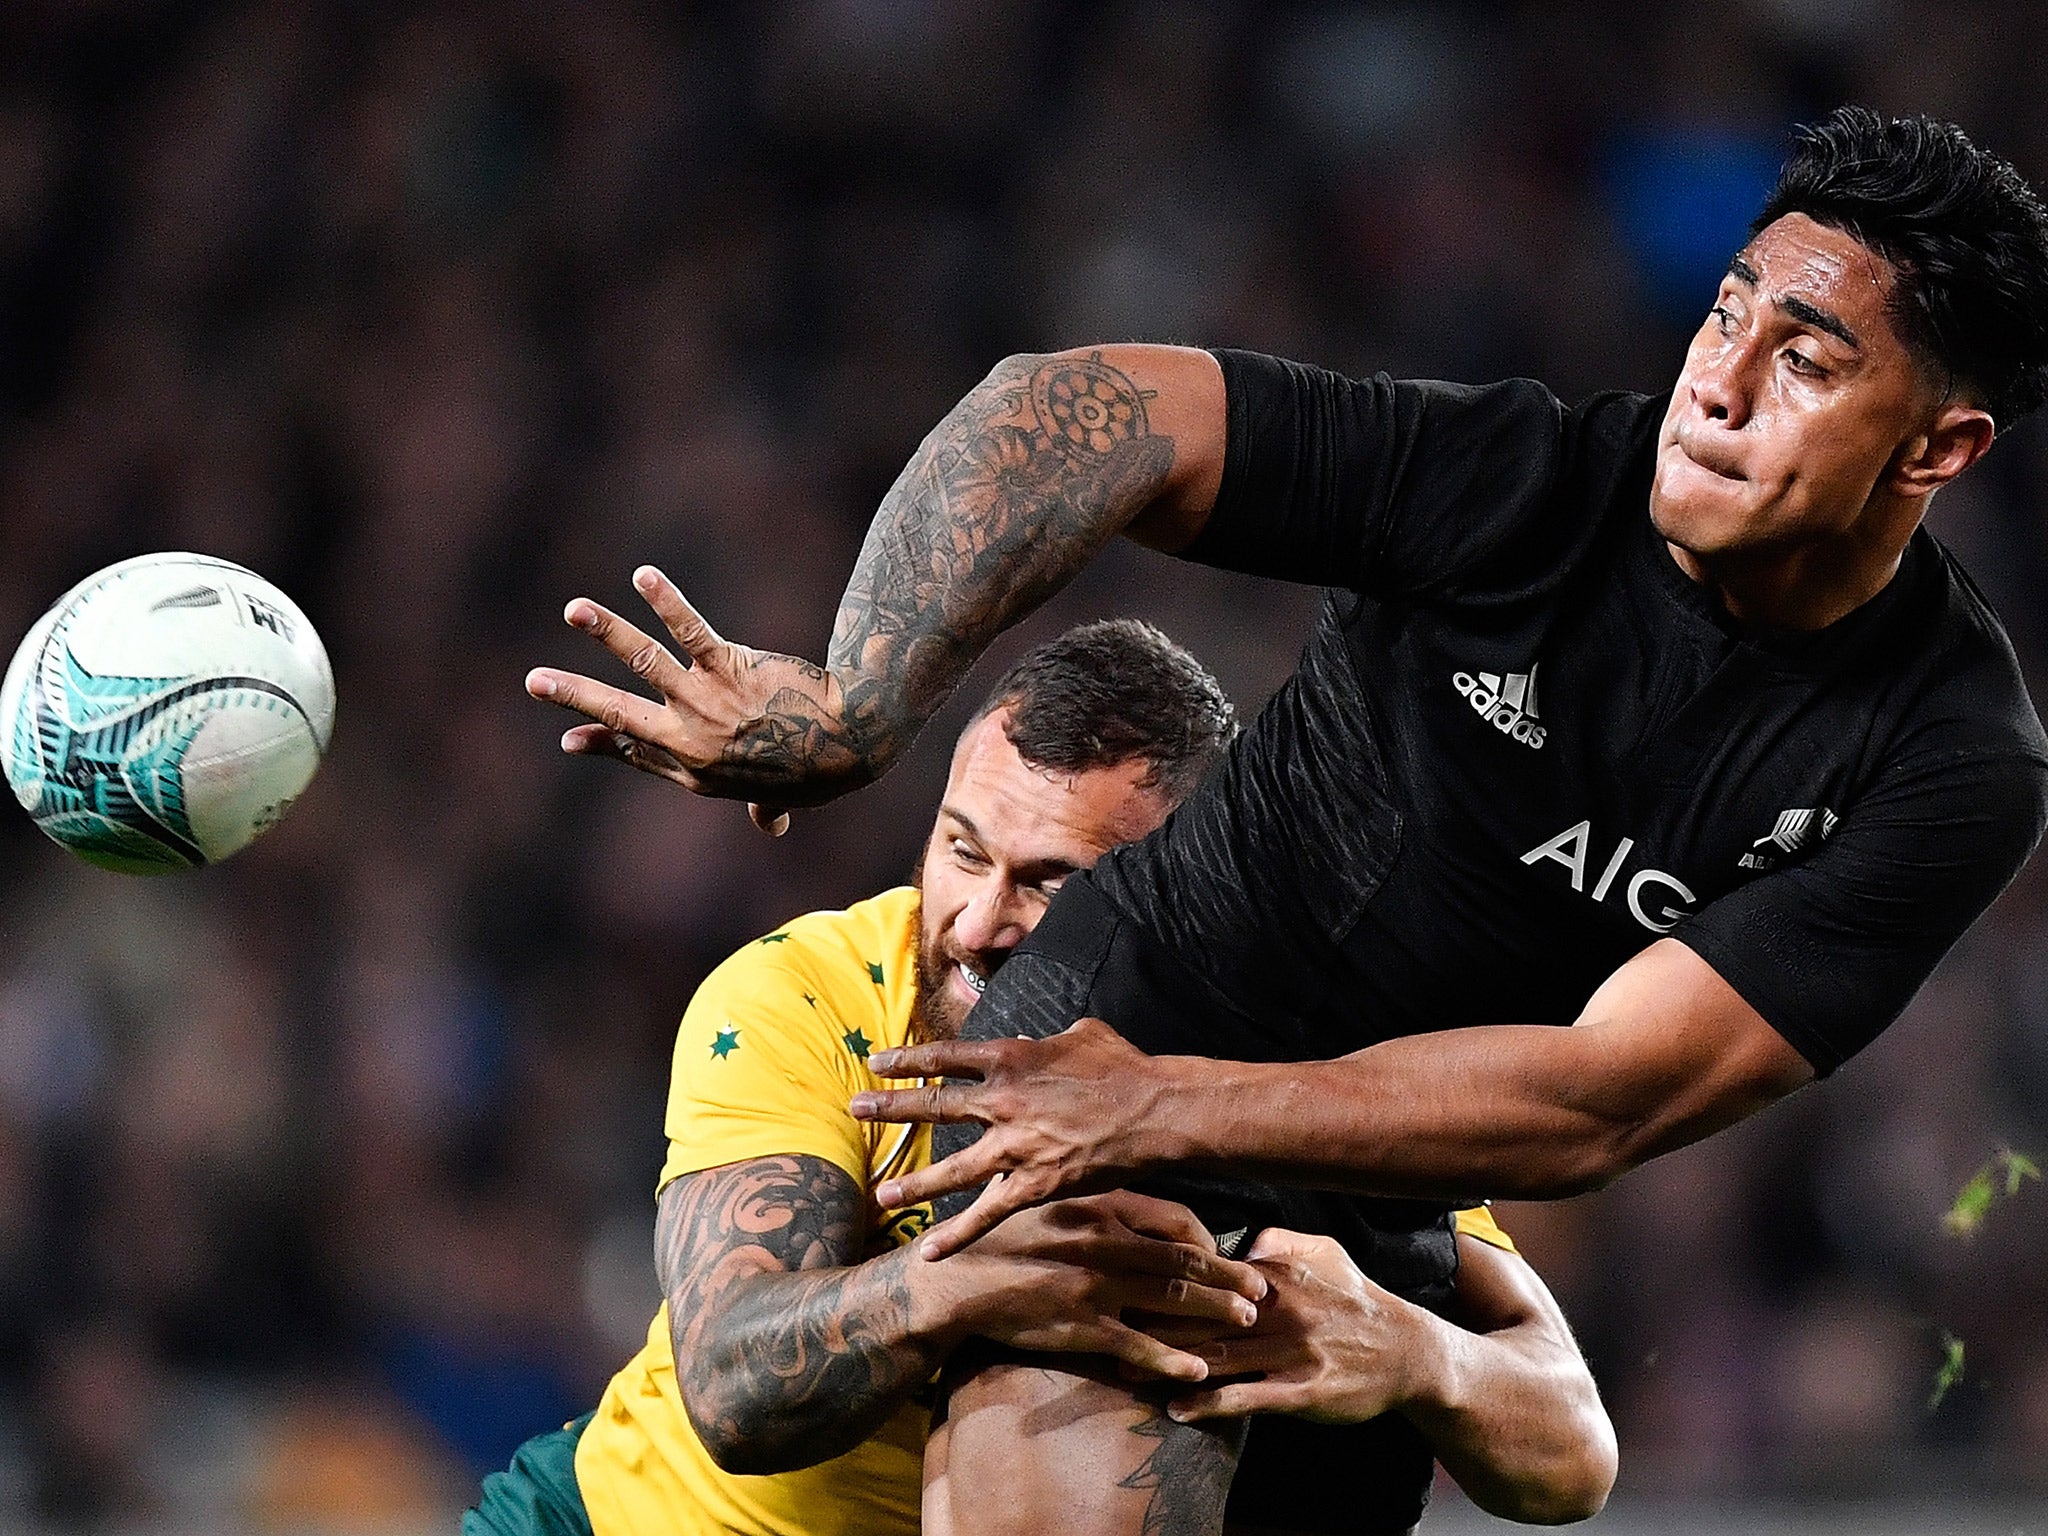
[(990, 919), (1719, 386)]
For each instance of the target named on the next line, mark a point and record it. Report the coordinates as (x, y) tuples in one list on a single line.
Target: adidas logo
[(1508, 703), (1794, 833)]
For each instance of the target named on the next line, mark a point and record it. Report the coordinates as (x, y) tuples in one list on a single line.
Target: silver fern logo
[(1795, 832)]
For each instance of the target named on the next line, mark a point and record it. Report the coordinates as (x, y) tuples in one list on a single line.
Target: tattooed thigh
[(1025, 1448)]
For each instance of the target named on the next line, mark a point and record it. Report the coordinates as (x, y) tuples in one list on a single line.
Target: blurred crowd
[(326, 1176)]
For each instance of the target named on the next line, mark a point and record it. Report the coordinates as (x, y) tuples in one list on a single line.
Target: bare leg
[(1020, 1450)]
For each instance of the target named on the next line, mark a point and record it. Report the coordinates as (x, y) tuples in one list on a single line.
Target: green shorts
[(537, 1495)]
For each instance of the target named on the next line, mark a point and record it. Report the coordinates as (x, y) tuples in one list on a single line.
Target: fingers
[(1187, 1263), (768, 819), (1280, 1243), (1246, 1354), (621, 713), (1184, 1298), (1188, 1333), (589, 740), (596, 741), (700, 642), (1237, 1400), (1182, 1248), (1202, 1268), (1320, 1263), (936, 1103), (1003, 1197), (966, 1168), (1167, 1219), (940, 1058), (644, 656), (1143, 1351)]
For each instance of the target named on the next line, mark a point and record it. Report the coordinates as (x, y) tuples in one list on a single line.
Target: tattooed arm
[(1007, 497), (1004, 502), (789, 1352)]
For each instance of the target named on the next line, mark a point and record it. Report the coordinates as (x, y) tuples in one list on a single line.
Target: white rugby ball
[(164, 712)]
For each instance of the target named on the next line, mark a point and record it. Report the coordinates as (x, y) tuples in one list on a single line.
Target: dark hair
[(1108, 692), (1966, 235)]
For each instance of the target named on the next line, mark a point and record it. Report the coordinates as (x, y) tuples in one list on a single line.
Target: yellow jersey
[(770, 1050)]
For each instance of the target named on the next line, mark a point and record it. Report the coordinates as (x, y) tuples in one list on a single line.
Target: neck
[(1805, 591), (1807, 586)]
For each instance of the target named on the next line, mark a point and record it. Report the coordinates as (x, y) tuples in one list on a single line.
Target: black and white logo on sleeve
[(1795, 832), (1506, 701)]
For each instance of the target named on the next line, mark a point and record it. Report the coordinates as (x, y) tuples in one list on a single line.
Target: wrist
[(1194, 1110), (1432, 1384), (940, 1312), (875, 718)]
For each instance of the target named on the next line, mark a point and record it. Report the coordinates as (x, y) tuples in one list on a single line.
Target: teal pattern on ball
[(79, 770), (76, 728)]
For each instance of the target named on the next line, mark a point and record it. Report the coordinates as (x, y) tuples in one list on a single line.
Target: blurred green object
[(1949, 1372), (1973, 1203)]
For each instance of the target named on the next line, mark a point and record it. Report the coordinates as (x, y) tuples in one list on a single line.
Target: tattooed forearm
[(1003, 502), (788, 1349)]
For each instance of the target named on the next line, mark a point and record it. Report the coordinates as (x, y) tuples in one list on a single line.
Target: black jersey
[(1521, 744)]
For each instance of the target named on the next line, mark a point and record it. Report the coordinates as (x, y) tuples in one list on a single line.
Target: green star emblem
[(874, 973), (857, 1043), (727, 1042)]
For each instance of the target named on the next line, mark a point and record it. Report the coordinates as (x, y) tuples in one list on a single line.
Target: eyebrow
[(1044, 868), (1820, 319), (1799, 309), (966, 822)]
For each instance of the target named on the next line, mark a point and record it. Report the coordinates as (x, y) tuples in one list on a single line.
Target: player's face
[(1795, 398), (1007, 835)]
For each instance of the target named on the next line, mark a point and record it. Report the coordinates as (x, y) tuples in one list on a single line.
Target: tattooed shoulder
[(791, 1213)]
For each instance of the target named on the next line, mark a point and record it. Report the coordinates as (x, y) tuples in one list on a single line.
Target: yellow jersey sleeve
[(765, 1062), (1479, 1223), (767, 1054)]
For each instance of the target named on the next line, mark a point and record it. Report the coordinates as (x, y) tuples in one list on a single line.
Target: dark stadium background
[(325, 1176)]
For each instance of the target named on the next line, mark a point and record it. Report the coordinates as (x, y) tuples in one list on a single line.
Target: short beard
[(926, 1022)]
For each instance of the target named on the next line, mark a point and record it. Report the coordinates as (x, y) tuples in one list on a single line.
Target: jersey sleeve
[(1387, 487), (1831, 950), (758, 1072)]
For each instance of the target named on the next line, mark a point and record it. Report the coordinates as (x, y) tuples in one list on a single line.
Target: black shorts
[(1085, 960), (1369, 1479)]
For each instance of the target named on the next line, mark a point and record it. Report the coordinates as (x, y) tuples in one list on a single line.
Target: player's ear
[(1958, 437)]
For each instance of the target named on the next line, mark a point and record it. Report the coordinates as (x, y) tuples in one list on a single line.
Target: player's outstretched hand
[(1066, 1114), (1066, 1276), (1329, 1344), (728, 721)]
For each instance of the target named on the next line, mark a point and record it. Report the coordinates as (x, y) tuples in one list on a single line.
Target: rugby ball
[(164, 712)]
